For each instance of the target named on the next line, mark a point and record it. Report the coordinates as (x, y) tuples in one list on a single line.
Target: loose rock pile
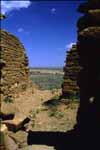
[(14, 72), (71, 70)]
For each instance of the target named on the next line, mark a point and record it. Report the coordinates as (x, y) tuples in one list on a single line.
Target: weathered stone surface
[(71, 70), (13, 64), (3, 128), (17, 123), (88, 46), (87, 130), (7, 143)]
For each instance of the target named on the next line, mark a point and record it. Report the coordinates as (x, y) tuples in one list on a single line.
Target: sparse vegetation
[(33, 117), (52, 113), (53, 103), (74, 96), (8, 99), (56, 113), (53, 107), (47, 81), (24, 87)]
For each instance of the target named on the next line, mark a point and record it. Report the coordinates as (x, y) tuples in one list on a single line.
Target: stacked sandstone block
[(14, 72), (71, 70), (89, 51)]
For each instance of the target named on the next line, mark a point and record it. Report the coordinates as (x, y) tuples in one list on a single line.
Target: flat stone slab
[(17, 123)]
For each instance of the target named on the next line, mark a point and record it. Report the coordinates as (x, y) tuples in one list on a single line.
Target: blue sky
[(46, 29)]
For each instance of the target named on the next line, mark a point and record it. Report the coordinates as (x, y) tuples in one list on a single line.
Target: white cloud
[(53, 10), (69, 46), (20, 30), (8, 6)]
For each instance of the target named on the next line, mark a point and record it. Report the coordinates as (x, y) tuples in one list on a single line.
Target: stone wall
[(86, 132), (71, 70), (13, 65), (88, 46)]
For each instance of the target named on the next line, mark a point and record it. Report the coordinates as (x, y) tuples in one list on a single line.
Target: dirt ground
[(43, 117)]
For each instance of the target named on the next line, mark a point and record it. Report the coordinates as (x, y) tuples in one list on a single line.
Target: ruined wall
[(89, 81), (71, 70), (13, 65)]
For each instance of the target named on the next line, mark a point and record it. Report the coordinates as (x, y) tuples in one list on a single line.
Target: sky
[(47, 29)]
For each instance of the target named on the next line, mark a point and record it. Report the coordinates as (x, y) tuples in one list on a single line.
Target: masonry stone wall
[(70, 88), (88, 46), (13, 65)]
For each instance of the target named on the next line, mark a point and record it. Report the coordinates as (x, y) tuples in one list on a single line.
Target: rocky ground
[(45, 114)]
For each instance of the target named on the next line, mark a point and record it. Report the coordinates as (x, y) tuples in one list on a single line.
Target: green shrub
[(33, 114), (55, 113), (52, 114), (8, 99), (73, 96), (33, 117), (59, 115), (52, 104), (33, 123)]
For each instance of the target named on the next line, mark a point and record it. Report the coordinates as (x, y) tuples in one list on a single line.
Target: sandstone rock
[(3, 128), (14, 65), (20, 138), (7, 143), (17, 123), (8, 110)]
